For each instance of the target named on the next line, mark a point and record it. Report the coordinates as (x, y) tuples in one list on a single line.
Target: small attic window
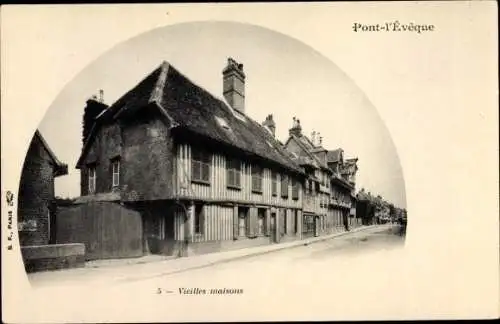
[(222, 123)]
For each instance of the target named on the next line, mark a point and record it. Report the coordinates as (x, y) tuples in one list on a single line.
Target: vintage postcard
[(249, 162)]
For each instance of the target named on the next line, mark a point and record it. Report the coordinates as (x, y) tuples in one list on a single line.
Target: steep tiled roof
[(190, 107), (342, 181), (334, 155), (59, 167), (307, 146)]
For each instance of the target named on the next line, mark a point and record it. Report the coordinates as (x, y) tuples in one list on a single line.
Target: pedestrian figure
[(346, 222)]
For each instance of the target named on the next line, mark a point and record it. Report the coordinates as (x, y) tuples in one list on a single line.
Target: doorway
[(242, 221), (272, 228), (316, 225)]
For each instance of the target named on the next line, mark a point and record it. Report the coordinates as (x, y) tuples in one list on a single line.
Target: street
[(324, 268), (289, 266), (329, 251)]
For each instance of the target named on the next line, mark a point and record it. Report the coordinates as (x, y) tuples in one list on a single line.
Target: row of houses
[(171, 169), (373, 209)]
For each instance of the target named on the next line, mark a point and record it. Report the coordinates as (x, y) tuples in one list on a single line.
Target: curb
[(243, 256)]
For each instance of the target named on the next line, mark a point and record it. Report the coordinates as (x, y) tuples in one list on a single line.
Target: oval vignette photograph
[(202, 153)]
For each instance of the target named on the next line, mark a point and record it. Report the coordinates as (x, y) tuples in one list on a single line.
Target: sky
[(284, 77)]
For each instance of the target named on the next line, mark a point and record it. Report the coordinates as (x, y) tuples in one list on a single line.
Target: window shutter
[(195, 170), (205, 172), (230, 179)]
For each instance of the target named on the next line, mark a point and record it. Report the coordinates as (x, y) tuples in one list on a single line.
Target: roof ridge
[(220, 100), (311, 155), (48, 149), (157, 92)]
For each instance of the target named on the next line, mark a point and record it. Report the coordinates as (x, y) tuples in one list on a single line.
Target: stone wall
[(53, 257), (36, 194)]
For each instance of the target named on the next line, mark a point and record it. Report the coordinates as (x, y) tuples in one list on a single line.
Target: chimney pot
[(270, 124), (233, 85), (296, 128)]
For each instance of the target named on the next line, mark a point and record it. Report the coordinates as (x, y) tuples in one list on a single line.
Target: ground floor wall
[(197, 227), (182, 228)]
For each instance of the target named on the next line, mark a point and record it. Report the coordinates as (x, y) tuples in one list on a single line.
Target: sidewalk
[(127, 270), (224, 255)]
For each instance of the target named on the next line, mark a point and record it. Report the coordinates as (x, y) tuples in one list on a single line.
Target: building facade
[(203, 175), (36, 205), (327, 195), (345, 171)]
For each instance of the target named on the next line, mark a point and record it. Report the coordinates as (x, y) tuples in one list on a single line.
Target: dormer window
[(222, 122)]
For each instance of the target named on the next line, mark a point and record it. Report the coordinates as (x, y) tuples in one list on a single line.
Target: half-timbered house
[(344, 186), (201, 172), (312, 157)]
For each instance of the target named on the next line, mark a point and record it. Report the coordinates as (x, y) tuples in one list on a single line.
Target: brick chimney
[(233, 85), (270, 124), (94, 107), (296, 128)]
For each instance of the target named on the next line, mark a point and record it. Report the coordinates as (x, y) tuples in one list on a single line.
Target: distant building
[(330, 183), (345, 176), (36, 206), (311, 156)]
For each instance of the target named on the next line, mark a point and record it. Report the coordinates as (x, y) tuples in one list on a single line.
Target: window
[(261, 221), (274, 185), (233, 173), (115, 167), (295, 189), (199, 217), (284, 186), (256, 179), (200, 166), (92, 179)]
